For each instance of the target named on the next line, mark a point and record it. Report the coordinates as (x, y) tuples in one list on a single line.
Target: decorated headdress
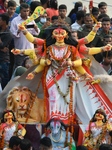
[(60, 23)]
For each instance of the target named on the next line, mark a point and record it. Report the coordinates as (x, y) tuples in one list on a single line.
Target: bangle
[(102, 49), (22, 51), (34, 73), (24, 32)]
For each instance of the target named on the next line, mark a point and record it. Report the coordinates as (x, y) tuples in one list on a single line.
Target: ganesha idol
[(29, 111)]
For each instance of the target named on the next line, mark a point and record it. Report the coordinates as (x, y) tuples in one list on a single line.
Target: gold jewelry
[(54, 139)]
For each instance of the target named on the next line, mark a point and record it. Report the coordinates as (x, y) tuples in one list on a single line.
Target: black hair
[(24, 6), (7, 111), (24, 61), (54, 4), (43, 1), (33, 5), (95, 11), (25, 144), (62, 6), (101, 111), (14, 140), (11, 3), (5, 17), (101, 4), (75, 9), (50, 40), (101, 16), (87, 15), (46, 141), (55, 119), (54, 17), (81, 147), (106, 19), (105, 147), (80, 14)]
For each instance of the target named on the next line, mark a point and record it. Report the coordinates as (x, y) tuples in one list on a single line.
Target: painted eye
[(62, 33), (17, 99), (24, 100)]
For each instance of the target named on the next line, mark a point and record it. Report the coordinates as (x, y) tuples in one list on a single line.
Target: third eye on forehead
[(57, 31)]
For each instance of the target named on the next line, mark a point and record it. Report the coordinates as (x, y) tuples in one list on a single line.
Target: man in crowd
[(11, 11), (102, 7), (79, 21), (45, 144), (20, 40), (84, 31), (5, 40), (63, 13)]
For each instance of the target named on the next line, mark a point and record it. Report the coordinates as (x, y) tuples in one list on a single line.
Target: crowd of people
[(57, 44)]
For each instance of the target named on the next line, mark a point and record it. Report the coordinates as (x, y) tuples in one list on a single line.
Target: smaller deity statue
[(99, 131), (60, 137), (9, 127)]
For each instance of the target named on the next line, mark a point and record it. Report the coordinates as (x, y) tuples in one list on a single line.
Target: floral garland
[(58, 87), (46, 52)]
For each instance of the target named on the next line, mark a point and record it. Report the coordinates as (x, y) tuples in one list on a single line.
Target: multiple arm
[(91, 35)]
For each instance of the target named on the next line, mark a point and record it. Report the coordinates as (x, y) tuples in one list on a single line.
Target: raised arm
[(30, 52), (30, 37), (91, 35)]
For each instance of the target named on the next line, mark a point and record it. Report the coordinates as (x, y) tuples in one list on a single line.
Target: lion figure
[(26, 106)]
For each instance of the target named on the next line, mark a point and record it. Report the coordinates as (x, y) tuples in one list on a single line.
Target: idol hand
[(16, 51), (30, 76), (106, 48)]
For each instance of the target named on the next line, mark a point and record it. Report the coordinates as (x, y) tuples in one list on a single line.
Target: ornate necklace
[(54, 139), (58, 87), (59, 59)]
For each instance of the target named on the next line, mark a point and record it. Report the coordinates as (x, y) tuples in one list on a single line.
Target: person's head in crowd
[(14, 143), (106, 24), (80, 16), (54, 19), (107, 58), (25, 144), (45, 144), (101, 16), (33, 5), (25, 1), (107, 39), (81, 147), (43, 18), (11, 7), (27, 62), (62, 11), (105, 147), (88, 20), (74, 34), (24, 10), (78, 6), (102, 7), (45, 3), (54, 4), (4, 20), (5, 3), (95, 12)]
